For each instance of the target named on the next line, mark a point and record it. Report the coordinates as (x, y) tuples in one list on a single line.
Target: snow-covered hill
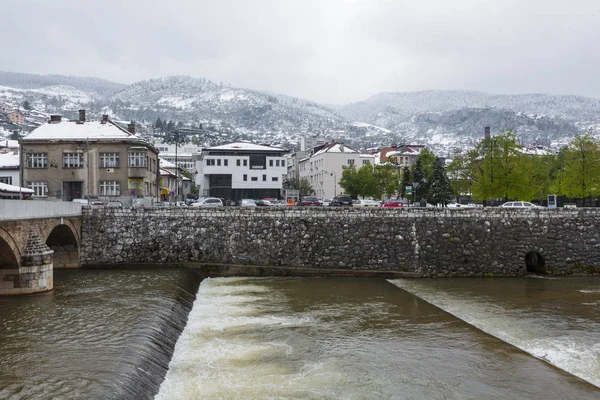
[(440, 119)]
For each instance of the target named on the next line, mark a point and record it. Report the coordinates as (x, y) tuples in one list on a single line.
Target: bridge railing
[(27, 209)]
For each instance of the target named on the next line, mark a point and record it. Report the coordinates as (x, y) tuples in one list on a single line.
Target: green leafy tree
[(460, 171), (440, 191), (303, 187), (580, 177), (350, 181)]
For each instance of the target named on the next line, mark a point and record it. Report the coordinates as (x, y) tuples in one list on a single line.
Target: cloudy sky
[(330, 51)]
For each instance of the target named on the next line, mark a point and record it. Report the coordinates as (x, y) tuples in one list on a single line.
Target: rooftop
[(244, 146), (75, 130)]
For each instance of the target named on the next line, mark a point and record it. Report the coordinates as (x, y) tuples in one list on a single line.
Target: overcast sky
[(330, 51)]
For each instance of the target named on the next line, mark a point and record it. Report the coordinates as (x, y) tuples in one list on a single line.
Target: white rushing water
[(558, 325)]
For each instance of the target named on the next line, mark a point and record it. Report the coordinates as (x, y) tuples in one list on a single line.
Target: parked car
[(263, 203), (247, 203), (310, 201), (160, 204), (366, 203), (519, 204), (96, 202), (114, 204), (326, 202), (85, 202), (393, 203), (339, 201), (208, 202)]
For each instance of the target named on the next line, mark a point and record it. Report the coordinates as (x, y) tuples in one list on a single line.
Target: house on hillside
[(402, 156), (16, 117), (64, 160), (323, 169), (241, 170)]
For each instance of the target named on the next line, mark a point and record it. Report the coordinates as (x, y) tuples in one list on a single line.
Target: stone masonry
[(423, 242)]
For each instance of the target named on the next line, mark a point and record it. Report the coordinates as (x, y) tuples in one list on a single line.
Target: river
[(110, 334)]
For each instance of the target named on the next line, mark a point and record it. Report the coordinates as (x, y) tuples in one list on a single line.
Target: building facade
[(64, 160), (16, 117), (323, 169), (241, 171)]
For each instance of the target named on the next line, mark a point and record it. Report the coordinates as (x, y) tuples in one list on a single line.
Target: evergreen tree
[(440, 191), (159, 124), (405, 180), (27, 105), (418, 179)]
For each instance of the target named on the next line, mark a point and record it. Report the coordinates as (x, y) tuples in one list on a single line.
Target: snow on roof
[(8, 160), (74, 130), (14, 189), (335, 148), (244, 146), (166, 164), (12, 144), (164, 171)]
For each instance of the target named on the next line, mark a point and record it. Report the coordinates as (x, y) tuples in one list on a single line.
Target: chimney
[(54, 119), (131, 128), (104, 119), (81, 115), (486, 131)]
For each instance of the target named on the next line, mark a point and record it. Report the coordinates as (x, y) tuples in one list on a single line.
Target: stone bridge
[(413, 242), (35, 237)]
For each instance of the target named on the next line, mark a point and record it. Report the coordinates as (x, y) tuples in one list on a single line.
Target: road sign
[(408, 189), (133, 192), (172, 193)]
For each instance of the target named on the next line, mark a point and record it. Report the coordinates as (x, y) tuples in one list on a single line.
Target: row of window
[(217, 162), (75, 160), (264, 178), (6, 179), (107, 188)]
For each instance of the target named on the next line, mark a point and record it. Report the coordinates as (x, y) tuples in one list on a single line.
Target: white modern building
[(182, 154), (323, 169), (241, 171), (10, 168)]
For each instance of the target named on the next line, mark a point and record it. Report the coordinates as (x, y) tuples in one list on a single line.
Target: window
[(72, 160), (254, 179), (6, 179), (270, 163), (245, 163), (283, 163), (264, 178), (275, 179), (109, 160), (138, 159), (40, 189), (37, 160), (350, 162), (245, 177), (110, 188), (218, 162), (365, 162), (238, 162), (210, 161), (225, 163), (277, 163)]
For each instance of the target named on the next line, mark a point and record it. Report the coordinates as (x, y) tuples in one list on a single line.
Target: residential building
[(16, 117), (241, 171), (182, 155), (9, 146), (323, 169), (9, 168), (310, 142), (64, 160), (402, 156), (178, 190)]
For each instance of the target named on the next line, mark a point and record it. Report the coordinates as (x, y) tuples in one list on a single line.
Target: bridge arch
[(9, 251), (63, 239), (535, 262)]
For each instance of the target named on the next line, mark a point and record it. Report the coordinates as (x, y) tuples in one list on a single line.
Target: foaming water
[(257, 338), (556, 320), (102, 334)]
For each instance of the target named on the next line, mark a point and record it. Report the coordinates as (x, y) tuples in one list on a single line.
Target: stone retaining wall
[(425, 242)]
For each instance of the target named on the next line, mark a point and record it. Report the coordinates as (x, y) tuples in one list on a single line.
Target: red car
[(393, 204)]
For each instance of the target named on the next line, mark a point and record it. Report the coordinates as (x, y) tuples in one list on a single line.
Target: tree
[(387, 180), (440, 190), (158, 124), (304, 187), (418, 178), (460, 171), (350, 180), (27, 105), (423, 172), (580, 177), (405, 180)]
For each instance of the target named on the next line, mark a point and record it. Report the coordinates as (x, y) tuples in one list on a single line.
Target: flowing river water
[(126, 334)]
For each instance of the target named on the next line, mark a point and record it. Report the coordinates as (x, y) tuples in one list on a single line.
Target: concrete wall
[(25, 209), (459, 242)]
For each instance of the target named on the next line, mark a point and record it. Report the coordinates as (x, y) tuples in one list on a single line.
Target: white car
[(208, 202), (519, 204), (365, 203), (247, 203)]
